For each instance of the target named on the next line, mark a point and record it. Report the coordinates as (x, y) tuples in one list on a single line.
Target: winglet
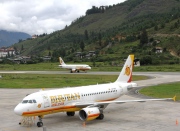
[(174, 98)]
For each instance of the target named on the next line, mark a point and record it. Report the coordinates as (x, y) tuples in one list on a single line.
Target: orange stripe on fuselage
[(50, 111), (58, 109)]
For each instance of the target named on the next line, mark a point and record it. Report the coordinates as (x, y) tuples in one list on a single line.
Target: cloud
[(44, 16)]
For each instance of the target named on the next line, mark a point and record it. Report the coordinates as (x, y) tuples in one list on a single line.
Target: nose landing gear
[(40, 123)]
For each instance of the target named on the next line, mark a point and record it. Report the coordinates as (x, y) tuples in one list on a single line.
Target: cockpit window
[(25, 101), (28, 101)]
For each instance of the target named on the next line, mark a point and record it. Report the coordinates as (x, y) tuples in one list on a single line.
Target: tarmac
[(146, 116)]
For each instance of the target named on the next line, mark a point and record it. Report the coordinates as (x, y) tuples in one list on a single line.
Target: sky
[(44, 16)]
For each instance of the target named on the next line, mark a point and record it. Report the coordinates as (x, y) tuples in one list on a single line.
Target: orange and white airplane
[(73, 68), (89, 100)]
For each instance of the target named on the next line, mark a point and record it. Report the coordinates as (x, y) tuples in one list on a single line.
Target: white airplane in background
[(89, 100), (73, 68)]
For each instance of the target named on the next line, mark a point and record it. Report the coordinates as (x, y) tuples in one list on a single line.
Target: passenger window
[(30, 101), (34, 101), (25, 101)]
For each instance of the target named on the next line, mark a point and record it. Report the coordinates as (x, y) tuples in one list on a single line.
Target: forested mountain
[(141, 27), (8, 38)]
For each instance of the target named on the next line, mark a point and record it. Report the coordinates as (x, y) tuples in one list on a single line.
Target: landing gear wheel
[(39, 124), (78, 71), (100, 117), (70, 113)]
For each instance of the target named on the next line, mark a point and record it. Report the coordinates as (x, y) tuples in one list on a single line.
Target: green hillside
[(113, 32)]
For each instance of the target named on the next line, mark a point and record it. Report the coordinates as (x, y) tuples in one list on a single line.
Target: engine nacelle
[(87, 114), (73, 70)]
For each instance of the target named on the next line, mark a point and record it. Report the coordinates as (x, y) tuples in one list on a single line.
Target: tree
[(22, 47), (162, 25), (93, 61), (146, 60), (49, 53), (82, 46), (99, 37), (72, 50), (86, 35), (49, 48), (143, 38), (175, 25), (156, 27)]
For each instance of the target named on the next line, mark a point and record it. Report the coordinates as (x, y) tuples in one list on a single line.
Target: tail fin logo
[(127, 70)]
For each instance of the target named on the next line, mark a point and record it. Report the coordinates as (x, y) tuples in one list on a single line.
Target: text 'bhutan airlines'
[(90, 100)]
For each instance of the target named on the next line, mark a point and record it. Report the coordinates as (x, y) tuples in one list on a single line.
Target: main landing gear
[(71, 71), (40, 123), (70, 113), (100, 117)]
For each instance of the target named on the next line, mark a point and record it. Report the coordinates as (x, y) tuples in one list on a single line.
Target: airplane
[(73, 68), (89, 100)]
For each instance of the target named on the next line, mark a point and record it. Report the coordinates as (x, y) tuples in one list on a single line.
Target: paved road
[(147, 116)]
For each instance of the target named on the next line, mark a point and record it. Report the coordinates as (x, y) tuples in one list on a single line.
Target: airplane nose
[(17, 110)]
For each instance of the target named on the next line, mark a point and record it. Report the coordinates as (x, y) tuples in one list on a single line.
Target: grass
[(163, 91), (160, 68), (99, 67), (30, 67), (72, 80), (55, 81)]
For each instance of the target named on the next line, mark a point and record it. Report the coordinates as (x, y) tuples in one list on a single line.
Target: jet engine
[(73, 70), (87, 114)]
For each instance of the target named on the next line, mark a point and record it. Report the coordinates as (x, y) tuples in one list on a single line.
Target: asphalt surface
[(147, 116)]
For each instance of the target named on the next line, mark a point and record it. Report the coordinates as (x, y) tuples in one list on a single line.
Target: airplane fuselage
[(62, 100), (76, 67)]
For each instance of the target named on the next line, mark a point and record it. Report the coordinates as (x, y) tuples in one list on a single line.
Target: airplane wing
[(120, 102)]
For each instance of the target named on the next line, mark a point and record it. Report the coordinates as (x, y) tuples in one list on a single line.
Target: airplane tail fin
[(126, 72), (61, 61)]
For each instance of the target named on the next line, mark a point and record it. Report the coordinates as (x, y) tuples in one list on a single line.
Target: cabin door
[(46, 101)]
